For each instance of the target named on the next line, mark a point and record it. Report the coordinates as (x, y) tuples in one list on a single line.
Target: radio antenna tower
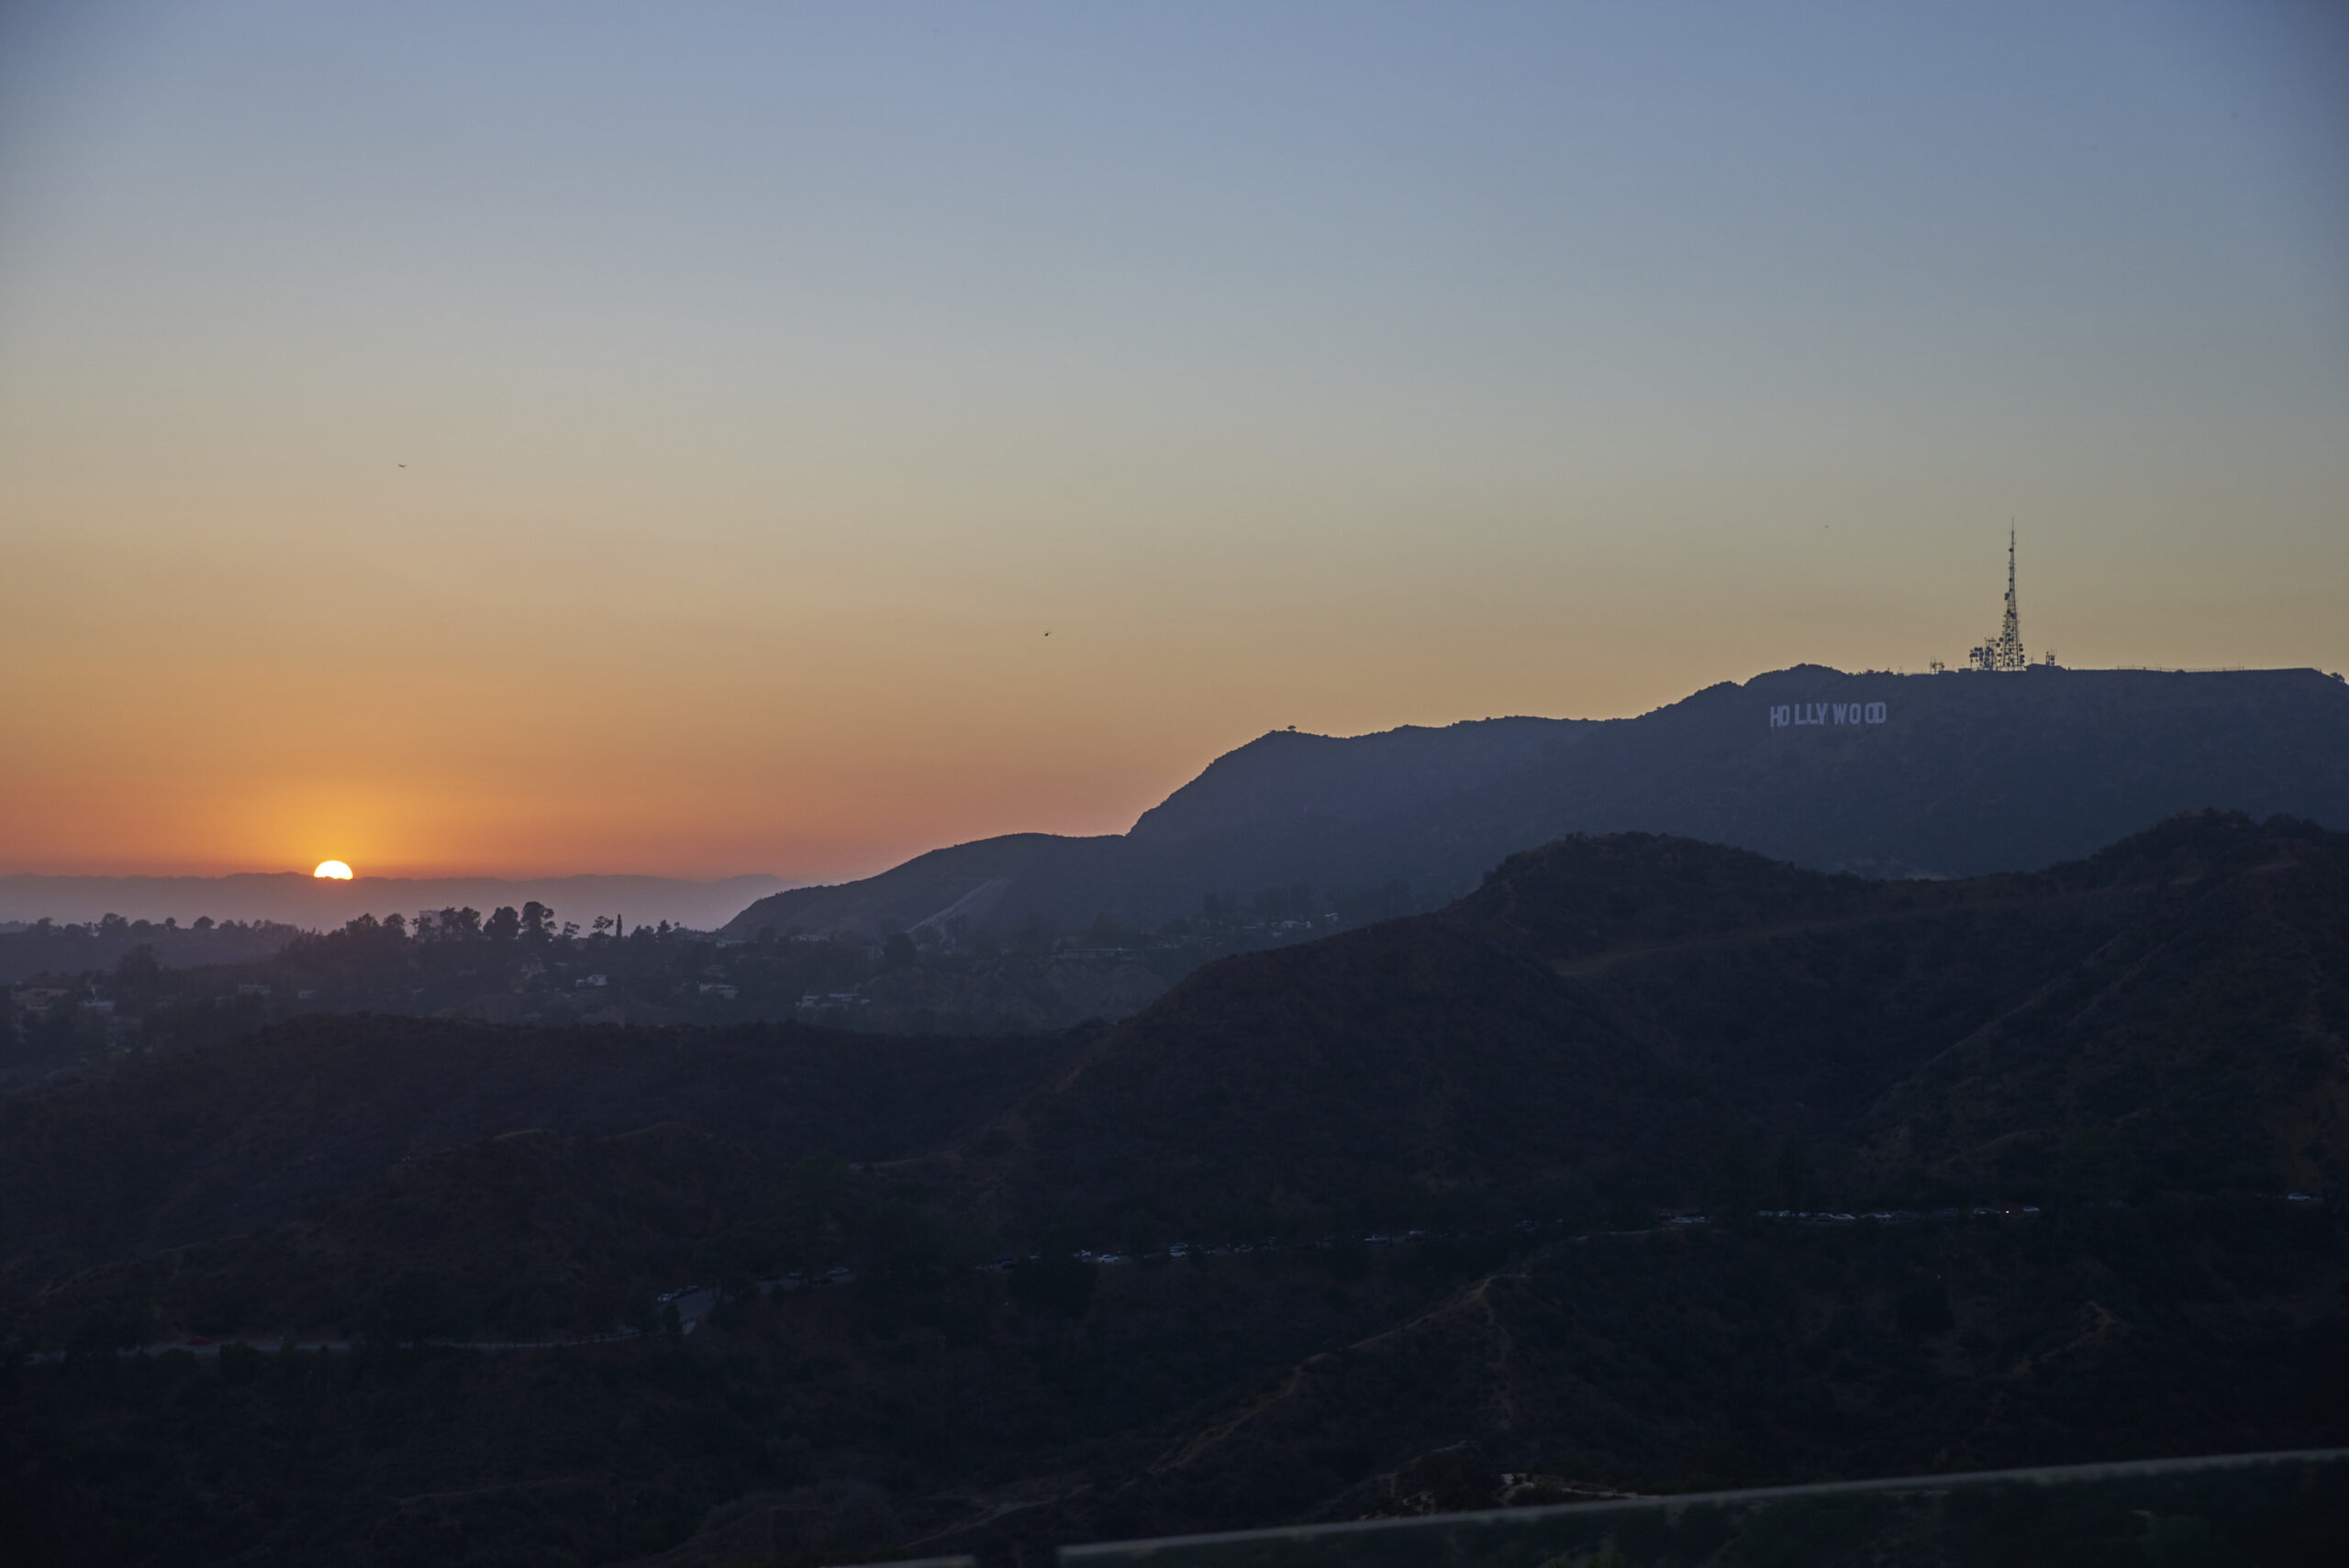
[(2005, 652)]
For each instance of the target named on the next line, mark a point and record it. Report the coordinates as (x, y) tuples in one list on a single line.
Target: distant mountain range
[(315, 903), (1882, 775)]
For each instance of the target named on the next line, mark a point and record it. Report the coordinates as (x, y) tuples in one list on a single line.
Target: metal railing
[(2282, 1508)]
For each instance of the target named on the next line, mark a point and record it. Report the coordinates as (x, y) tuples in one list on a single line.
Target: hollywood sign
[(1786, 716)]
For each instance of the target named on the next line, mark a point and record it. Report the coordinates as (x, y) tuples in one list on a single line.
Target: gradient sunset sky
[(522, 438)]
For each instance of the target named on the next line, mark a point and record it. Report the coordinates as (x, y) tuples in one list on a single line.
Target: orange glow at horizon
[(667, 455), (736, 710)]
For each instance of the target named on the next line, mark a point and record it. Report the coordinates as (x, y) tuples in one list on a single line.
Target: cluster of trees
[(534, 923), (66, 948), (109, 926), (136, 986), (118, 989)]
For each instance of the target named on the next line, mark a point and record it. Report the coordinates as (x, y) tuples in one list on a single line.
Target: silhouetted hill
[(1220, 1392), (1279, 778), (1881, 774), (1967, 774), (1736, 1358), (526, 1235), (1619, 1014), (2202, 1047), (249, 1134)]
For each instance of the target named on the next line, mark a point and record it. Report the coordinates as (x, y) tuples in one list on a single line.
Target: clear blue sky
[(770, 378)]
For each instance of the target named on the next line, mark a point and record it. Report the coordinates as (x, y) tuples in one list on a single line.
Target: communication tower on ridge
[(2005, 651)]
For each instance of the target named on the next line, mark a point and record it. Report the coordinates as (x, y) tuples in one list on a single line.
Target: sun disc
[(333, 870)]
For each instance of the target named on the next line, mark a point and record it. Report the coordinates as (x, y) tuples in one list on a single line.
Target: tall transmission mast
[(2004, 651), (2011, 653)]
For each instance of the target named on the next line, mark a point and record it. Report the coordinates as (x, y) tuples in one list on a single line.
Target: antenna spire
[(2011, 634), (2005, 651)]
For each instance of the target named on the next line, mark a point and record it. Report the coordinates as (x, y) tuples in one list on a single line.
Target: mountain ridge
[(1886, 776), (1351, 778)]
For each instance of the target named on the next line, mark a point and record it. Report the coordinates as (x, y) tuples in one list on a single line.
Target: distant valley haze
[(298, 898)]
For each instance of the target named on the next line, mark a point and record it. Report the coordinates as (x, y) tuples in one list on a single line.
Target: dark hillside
[(249, 1134), (1347, 1082), (1275, 811), (1616, 1013), (525, 1236), (1001, 886), (2205, 1046), (1964, 775), (1214, 1393), (1733, 1360)]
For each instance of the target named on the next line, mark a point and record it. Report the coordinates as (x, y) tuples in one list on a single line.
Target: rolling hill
[(1619, 1016), (237, 1137)]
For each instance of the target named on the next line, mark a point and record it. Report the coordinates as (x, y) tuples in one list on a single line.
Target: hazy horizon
[(298, 899), (519, 436)]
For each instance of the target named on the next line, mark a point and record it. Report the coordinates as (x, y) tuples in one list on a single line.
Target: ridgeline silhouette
[(1879, 774)]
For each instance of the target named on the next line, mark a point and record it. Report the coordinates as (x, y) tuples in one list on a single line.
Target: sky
[(515, 439)]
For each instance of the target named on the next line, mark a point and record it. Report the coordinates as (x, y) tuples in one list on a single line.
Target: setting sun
[(333, 870)]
